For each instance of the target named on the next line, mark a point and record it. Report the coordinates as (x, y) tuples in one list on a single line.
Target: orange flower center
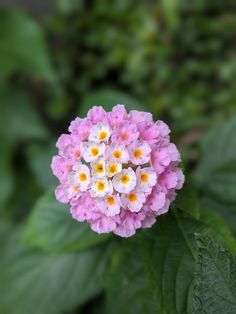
[(144, 177), (94, 151), (111, 201), (125, 179), (117, 154), (102, 135), (100, 186), (138, 153), (133, 198)]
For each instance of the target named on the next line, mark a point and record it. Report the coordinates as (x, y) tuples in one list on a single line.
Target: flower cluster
[(117, 170)]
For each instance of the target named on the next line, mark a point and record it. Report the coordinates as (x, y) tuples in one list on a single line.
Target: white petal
[(124, 181)]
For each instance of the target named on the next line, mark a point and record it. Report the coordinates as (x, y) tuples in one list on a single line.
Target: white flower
[(101, 187), (139, 153), (112, 168), (119, 153), (133, 201), (146, 179), (111, 205), (92, 150), (80, 176), (98, 168), (100, 132), (124, 181)]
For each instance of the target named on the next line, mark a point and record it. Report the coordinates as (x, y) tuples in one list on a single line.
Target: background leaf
[(19, 120), (48, 283), (39, 157), (216, 172), (7, 179), (51, 227), (23, 45), (215, 281)]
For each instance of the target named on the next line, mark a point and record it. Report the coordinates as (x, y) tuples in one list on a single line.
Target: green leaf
[(32, 281), (51, 227), (216, 172), (215, 280), (39, 157), (187, 201), (109, 98), (153, 273), (6, 171), (227, 211), (22, 45), (19, 119)]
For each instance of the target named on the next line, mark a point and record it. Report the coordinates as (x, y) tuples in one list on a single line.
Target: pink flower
[(80, 128), (60, 168), (164, 156), (140, 116), (117, 115), (125, 134), (97, 114), (148, 131), (117, 170)]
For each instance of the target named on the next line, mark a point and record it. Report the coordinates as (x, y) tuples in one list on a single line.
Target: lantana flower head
[(117, 170)]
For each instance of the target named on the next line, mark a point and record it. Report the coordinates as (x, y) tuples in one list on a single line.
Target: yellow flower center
[(138, 153), (144, 177), (125, 179), (99, 168), (82, 176), (133, 198), (113, 168), (110, 201), (100, 186), (94, 151), (102, 135), (76, 188), (117, 154)]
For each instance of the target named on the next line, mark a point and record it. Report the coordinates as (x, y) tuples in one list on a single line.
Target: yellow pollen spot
[(76, 188), (138, 153), (133, 197), (102, 135), (94, 151), (144, 177), (100, 186), (82, 176), (117, 154), (110, 201), (99, 168), (125, 179), (124, 136), (113, 168)]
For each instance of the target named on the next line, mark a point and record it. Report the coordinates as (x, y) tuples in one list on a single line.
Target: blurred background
[(175, 58)]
